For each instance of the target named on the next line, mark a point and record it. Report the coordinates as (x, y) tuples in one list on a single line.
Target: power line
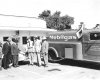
[(18, 16)]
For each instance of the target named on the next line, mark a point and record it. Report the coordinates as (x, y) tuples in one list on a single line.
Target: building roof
[(11, 22), (21, 22), (25, 28)]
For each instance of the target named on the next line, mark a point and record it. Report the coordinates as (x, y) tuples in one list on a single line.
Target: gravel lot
[(55, 71)]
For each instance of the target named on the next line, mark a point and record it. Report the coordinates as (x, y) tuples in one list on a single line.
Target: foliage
[(45, 14), (55, 21)]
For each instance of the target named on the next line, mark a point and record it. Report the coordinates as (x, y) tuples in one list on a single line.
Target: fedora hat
[(8, 39), (44, 38)]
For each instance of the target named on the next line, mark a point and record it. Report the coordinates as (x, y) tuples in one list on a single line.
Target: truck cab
[(91, 45)]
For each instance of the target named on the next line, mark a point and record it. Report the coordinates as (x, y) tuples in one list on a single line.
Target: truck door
[(91, 46)]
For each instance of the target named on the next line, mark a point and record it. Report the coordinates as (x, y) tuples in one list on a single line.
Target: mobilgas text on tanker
[(62, 37)]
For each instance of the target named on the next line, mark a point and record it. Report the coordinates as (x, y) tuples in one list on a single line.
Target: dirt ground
[(54, 71)]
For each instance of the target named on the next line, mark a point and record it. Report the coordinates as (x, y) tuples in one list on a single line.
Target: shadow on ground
[(23, 62), (79, 63), (26, 63)]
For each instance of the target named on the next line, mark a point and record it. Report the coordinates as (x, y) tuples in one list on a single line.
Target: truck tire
[(51, 55)]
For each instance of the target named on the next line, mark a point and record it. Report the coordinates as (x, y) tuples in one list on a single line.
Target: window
[(5, 38), (24, 40), (32, 38), (95, 36)]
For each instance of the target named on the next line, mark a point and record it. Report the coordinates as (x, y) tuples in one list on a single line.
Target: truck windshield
[(95, 36)]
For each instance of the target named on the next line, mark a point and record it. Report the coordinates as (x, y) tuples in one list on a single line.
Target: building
[(22, 28)]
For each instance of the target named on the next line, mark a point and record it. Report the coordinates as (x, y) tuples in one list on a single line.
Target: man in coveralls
[(44, 50), (37, 47), (30, 51)]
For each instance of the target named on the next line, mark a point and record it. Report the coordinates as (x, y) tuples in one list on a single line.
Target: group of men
[(9, 53), (39, 48)]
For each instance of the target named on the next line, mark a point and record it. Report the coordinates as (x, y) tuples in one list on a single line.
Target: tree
[(67, 21), (55, 21), (45, 14)]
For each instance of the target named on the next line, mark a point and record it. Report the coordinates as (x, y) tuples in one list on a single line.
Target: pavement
[(54, 71)]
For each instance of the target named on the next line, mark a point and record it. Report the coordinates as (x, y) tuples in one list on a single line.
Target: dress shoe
[(0, 68), (45, 65)]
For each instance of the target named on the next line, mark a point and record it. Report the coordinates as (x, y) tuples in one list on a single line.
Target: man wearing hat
[(30, 51), (7, 53), (44, 50), (1, 56), (14, 52), (37, 47)]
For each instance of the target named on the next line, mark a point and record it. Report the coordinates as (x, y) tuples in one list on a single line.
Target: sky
[(87, 11)]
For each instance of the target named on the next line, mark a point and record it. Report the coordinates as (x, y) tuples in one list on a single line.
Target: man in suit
[(1, 56), (44, 50), (14, 52), (7, 53)]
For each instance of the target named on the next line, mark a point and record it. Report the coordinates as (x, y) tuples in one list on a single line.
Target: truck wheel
[(51, 55)]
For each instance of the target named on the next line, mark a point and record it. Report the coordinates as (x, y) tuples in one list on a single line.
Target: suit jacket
[(6, 49), (1, 52), (45, 46), (14, 49)]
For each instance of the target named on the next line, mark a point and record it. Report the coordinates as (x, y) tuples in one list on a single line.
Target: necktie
[(29, 43)]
